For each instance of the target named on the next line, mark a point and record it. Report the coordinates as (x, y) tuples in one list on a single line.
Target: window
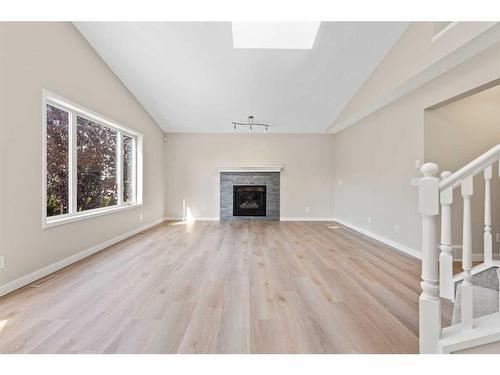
[(128, 168), (57, 161), (97, 165), (90, 163)]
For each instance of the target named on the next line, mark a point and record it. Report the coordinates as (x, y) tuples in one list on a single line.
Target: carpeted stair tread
[(485, 294), (485, 302), (486, 279)]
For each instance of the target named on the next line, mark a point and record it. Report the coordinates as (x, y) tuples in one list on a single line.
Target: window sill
[(71, 218)]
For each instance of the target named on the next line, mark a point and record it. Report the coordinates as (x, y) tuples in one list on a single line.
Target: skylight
[(274, 35)]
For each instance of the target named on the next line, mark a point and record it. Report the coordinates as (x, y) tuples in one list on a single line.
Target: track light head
[(251, 124)]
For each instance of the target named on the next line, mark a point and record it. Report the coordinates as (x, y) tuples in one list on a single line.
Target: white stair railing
[(467, 190), (429, 305), (437, 261), (446, 285), (488, 240)]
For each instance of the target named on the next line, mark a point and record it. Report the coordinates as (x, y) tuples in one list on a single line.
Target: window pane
[(96, 156), (128, 169), (57, 161)]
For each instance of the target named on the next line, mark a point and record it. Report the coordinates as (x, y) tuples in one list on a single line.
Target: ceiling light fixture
[(251, 124)]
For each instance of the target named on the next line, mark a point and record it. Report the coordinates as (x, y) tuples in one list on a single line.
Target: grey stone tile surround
[(270, 179)]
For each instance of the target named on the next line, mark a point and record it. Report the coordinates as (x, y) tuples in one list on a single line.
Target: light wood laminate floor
[(233, 287)]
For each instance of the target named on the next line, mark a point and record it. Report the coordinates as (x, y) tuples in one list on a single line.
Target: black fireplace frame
[(238, 211)]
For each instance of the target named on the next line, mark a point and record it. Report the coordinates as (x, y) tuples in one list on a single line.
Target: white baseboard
[(302, 218), (25, 280), (404, 248), (476, 257), (204, 218), (283, 218)]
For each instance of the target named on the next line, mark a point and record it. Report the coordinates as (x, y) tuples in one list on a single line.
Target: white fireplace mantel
[(274, 168)]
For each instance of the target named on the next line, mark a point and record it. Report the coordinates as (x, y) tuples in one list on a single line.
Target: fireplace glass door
[(249, 200)]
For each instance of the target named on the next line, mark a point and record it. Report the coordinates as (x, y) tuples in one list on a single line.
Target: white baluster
[(467, 298), (488, 240), (498, 275), (446, 284), (430, 304)]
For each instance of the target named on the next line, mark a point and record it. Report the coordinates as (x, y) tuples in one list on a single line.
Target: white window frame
[(74, 110)]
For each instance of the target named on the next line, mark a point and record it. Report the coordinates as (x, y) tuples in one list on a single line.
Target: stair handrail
[(474, 167), (436, 198)]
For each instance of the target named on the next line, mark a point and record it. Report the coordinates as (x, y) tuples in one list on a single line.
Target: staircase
[(484, 294), (474, 292)]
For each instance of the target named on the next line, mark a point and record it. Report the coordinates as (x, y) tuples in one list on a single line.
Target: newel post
[(430, 305)]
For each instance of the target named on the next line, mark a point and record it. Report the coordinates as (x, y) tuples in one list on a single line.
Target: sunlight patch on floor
[(178, 223), (3, 324)]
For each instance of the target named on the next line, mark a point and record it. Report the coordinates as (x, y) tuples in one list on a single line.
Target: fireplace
[(249, 200), (249, 195)]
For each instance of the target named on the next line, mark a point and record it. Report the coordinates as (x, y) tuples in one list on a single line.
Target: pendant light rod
[(250, 124)]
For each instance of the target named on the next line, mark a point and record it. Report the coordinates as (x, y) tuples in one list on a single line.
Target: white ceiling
[(274, 35), (189, 77)]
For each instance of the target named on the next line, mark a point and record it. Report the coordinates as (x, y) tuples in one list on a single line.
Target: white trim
[(74, 110), (475, 46), (119, 167), (135, 169), (139, 170), (300, 218), (54, 221), (216, 218), (85, 112), (403, 248), (43, 168), (275, 168), (200, 218), (486, 330), (476, 269), (477, 257), (478, 165), (73, 165), (27, 279), (496, 257)]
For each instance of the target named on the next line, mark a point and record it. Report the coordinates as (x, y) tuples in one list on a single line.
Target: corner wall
[(374, 159), (55, 56)]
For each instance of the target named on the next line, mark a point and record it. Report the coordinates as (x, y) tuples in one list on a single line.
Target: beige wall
[(457, 133), (374, 163), (375, 158), (54, 56), (306, 180)]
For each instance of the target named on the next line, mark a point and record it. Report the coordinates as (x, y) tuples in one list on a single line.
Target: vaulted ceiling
[(189, 77)]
